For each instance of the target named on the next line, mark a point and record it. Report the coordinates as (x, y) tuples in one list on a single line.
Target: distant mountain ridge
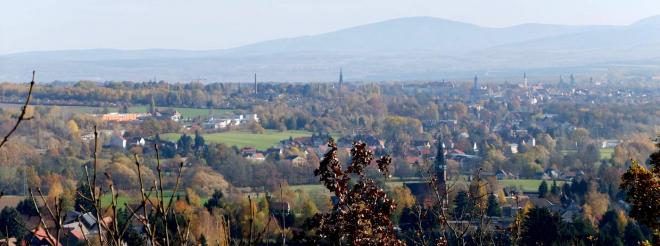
[(405, 48)]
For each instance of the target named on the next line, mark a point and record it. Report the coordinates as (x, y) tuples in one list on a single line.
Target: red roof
[(426, 151), (76, 232), (41, 234), (457, 151), (412, 159)]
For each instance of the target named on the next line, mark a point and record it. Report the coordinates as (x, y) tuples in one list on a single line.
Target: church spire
[(341, 77), (255, 84), (440, 166), (476, 82), (475, 88)]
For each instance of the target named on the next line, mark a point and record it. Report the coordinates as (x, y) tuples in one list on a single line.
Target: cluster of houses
[(114, 139), (77, 229), (303, 146), (421, 150), (222, 123), (511, 204), (296, 150)]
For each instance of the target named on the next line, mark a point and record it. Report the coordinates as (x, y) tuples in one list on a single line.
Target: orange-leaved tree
[(642, 188)]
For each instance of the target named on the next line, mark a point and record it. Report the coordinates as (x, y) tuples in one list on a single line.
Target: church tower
[(341, 78), (441, 171), (475, 89)]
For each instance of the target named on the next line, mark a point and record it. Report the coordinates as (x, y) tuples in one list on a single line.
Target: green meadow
[(242, 139)]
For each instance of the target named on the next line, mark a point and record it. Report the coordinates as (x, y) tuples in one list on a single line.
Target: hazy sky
[(216, 24)]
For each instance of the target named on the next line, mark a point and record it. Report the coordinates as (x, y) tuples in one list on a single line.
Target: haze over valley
[(413, 48)]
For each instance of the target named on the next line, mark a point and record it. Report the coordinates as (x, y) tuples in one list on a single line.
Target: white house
[(117, 141)]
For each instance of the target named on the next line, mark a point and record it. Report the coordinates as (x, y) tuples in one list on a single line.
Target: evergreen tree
[(461, 205), (152, 105), (572, 78), (184, 145), (123, 109), (493, 206), (633, 235), (554, 189), (566, 189), (540, 227), (579, 232), (81, 204), (12, 224), (543, 189), (26, 207), (199, 143), (215, 201), (131, 236), (202, 240), (610, 231), (411, 219)]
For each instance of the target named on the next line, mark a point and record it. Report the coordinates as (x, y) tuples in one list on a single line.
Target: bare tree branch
[(21, 117)]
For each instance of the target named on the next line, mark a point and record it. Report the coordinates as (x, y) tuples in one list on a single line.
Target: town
[(532, 143), (365, 123)]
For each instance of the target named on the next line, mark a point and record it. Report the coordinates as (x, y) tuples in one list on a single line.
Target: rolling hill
[(398, 49)]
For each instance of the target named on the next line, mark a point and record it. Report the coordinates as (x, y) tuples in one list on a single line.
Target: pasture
[(242, 139)]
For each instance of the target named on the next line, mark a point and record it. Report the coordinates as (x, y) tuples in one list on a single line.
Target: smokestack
[(255, 84)]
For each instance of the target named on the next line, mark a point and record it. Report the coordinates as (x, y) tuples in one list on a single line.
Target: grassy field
[(106, 199), (606, 154), (242, 139), (527, 185), (310, 188)]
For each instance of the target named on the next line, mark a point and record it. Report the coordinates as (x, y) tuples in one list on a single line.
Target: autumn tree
[(361, 215), (642, 189)]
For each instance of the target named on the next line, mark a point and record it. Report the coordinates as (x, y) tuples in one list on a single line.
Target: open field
[(606, 154), (242, 139), (122, 199), (527, 185)]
